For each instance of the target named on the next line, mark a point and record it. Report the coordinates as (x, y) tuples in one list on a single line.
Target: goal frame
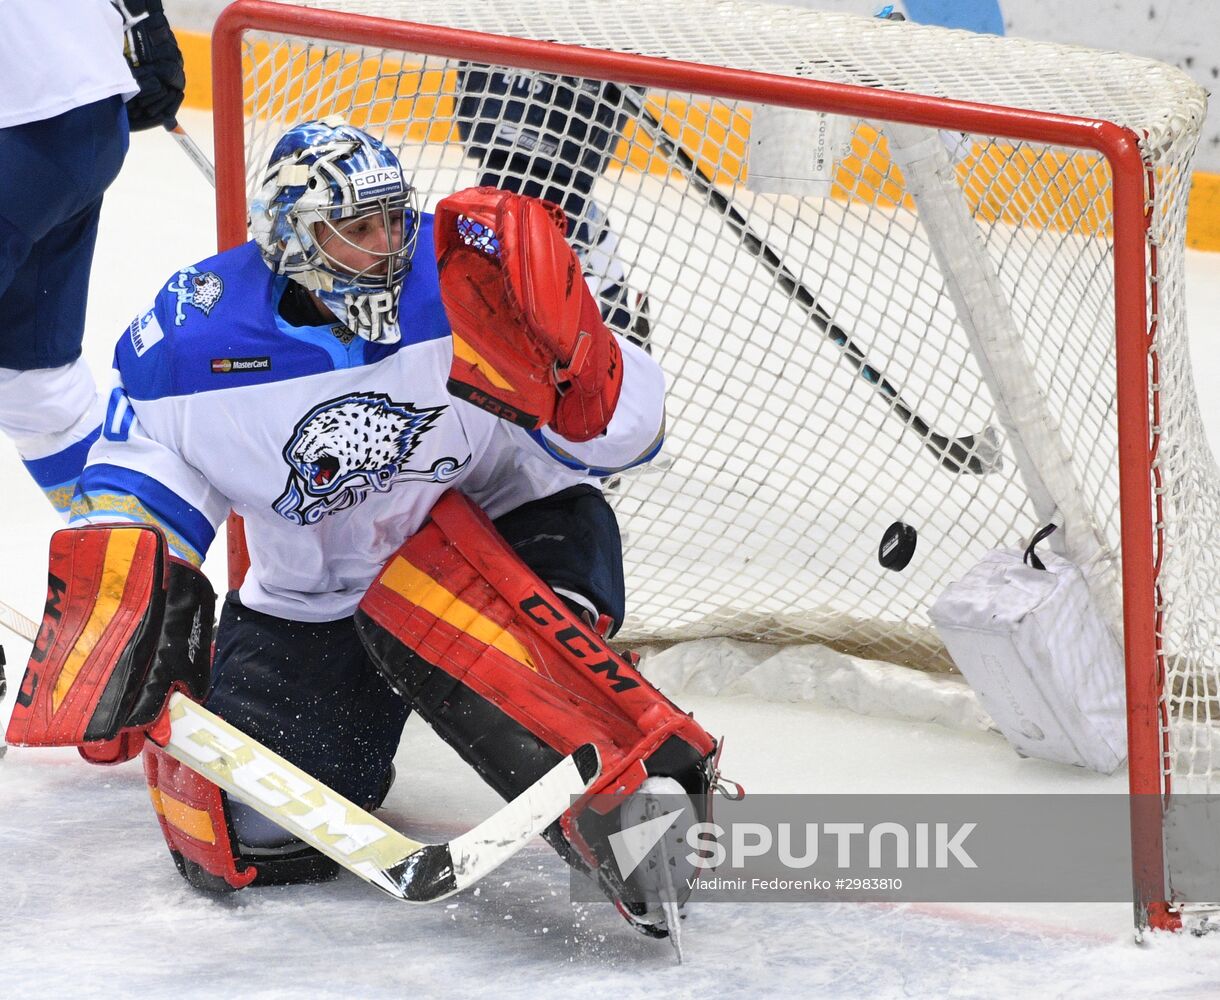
[(1131, 186)]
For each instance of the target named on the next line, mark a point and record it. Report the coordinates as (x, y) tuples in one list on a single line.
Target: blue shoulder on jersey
[(564, 457), (215, 326)]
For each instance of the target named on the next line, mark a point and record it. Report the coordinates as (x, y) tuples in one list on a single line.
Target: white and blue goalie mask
[(332, 194)]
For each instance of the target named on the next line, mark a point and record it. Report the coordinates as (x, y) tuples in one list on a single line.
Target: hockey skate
[(636, 853), (663, 876), (643, 862)]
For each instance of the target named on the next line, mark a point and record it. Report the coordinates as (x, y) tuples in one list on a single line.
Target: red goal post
[(1131, 192)]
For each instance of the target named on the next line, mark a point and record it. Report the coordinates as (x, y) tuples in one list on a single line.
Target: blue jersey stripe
[(64, 466), (218, 327), (169, 509), (572, 462)]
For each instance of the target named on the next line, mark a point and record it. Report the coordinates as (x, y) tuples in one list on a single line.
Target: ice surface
[(93, 906)]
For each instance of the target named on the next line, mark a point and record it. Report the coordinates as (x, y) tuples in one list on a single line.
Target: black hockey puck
[(897, 546)]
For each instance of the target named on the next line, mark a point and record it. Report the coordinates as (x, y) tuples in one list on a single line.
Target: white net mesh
[(784, 462)]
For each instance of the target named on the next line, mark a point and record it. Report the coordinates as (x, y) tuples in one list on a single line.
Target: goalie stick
[(978, 454), (396, 864)]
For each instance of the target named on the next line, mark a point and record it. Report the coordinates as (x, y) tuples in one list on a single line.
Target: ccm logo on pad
[(579, 643)]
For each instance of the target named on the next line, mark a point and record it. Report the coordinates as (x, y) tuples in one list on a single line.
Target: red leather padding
[(593, 385), (458, 595), (192, 816), (513, 293), (102, 598)]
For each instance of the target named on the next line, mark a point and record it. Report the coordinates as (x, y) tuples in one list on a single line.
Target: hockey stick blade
[(437, 871), (977, 454), (399, 866)]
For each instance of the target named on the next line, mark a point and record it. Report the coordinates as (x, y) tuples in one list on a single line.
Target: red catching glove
[(529, 344)]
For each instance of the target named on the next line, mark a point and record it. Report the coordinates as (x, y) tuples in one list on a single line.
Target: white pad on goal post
[(1039, 656)]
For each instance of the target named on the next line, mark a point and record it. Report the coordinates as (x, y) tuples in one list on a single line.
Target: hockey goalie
[(415, 442)]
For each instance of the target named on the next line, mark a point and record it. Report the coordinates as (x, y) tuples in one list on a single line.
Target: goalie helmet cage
[(973, 331)]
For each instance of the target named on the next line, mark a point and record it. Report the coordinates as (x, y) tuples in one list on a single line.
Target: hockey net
[(832, 363)]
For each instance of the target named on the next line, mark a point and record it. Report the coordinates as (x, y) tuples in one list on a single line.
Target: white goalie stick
[(399, 866), (978, 454)]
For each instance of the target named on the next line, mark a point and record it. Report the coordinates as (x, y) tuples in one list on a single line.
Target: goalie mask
[(332, 195)]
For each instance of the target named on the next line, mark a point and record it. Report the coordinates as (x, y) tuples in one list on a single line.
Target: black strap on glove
[(156, 63)]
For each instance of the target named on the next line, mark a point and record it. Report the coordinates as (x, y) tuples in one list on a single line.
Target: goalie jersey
[(333, 449)]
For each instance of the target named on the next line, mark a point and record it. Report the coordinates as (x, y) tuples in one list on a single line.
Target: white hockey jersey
[(333, 449), (58, 56)]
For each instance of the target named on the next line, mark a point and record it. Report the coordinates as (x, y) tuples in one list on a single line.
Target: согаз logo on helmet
[(377, 183)]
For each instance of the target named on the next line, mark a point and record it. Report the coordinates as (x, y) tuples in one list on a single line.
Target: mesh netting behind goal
[(823, 349)]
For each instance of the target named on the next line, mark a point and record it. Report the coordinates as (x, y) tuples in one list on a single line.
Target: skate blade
[(673, 923)]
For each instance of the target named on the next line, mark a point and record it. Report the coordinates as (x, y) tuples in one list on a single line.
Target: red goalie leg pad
[(192, 814), (124, 625), (460, 599)]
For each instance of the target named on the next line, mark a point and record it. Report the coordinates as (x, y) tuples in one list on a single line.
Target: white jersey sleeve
[(635, 432), (133, 476)]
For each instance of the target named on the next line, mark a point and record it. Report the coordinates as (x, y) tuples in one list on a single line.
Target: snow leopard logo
[(192, 287), (347, 448)]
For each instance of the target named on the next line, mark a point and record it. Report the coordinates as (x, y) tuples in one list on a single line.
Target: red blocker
[(99, 588), (124, 624)]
